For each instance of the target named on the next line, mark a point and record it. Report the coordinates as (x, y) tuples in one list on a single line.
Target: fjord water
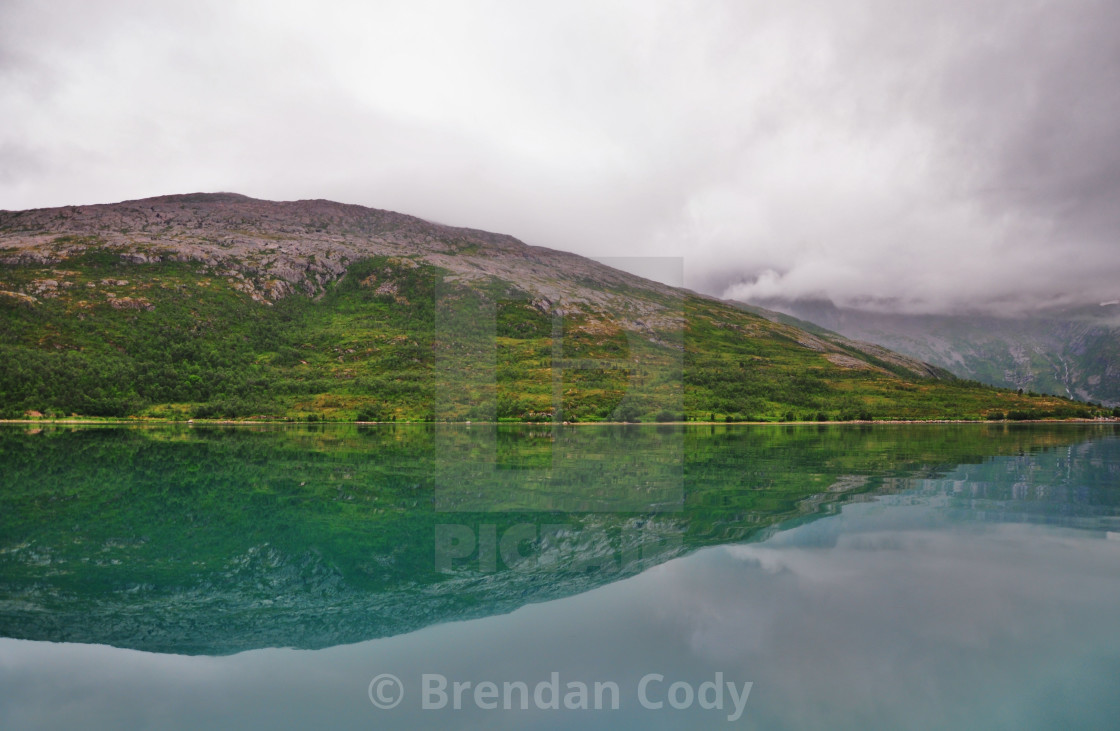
[(917, 576)]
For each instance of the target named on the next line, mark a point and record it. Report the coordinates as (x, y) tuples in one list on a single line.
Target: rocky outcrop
[(275, 249)]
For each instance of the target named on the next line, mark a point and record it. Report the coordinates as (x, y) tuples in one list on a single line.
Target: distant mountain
[(1072, 351), (223, 306)]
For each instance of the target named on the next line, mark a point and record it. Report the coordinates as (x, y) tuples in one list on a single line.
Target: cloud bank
[(921, 156)]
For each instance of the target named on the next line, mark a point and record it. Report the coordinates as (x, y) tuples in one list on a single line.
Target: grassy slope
[(1059, 351), (175, 340)]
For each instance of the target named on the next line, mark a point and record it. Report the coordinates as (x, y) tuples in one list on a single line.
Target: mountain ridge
[(1073, 351), (217, 304)]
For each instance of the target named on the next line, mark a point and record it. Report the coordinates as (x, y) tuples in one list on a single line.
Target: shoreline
[(278, 422)]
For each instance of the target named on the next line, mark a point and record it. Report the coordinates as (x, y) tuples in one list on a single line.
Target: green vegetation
[(103, 337), (1058, 350), (736, 370), (188, 344)]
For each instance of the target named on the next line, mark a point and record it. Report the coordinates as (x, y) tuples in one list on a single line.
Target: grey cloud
[(1020, 109), (931, 155)]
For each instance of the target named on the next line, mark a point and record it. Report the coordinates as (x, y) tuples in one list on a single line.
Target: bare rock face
[(279, 248), (18, 297), (130, 303)]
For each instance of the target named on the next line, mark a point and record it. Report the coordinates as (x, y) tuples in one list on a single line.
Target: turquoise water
[(902, 576)]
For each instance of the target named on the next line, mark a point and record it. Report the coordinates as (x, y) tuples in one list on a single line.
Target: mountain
[(223, 306), (1072, 351)]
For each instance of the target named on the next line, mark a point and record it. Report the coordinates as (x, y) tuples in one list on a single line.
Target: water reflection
[(214, 541), (975, 595)]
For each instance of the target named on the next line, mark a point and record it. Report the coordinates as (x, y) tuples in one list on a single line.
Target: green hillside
[(1074, 351), (234, 308)]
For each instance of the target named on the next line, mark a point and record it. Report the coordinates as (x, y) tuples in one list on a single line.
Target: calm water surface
[(902, 576)]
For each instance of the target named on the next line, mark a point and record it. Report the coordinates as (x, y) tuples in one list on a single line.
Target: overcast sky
[(913, 155)]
